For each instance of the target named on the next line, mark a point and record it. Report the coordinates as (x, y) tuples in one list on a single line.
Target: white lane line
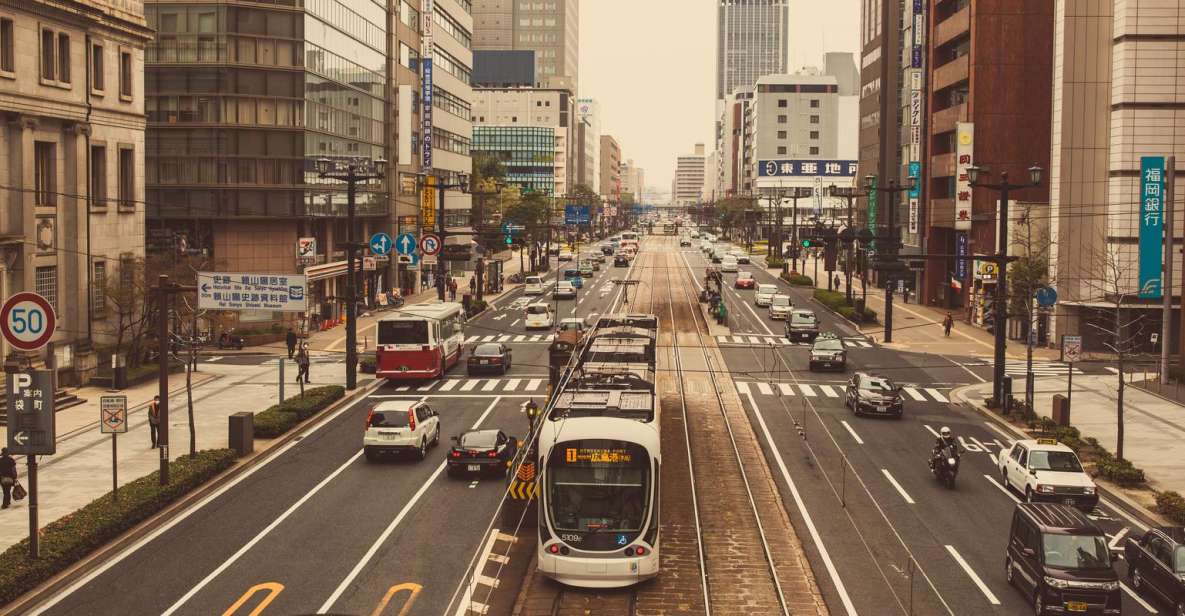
[(932, 430), (971, 574), (533, 384), (1111, 369), (760, 321), (851, 431), (807, 391), (470, 384), (467, 604), (900, 489), (1144, 604), (738, 339), (259, 537), (214, 359), (764, 388), (827, 391), (965, 368), (511, 384), (786, 389), (520, 338), (915, 394), (937, 394), (382, 538), (1007, 437), (506, 338), (491, 385), (449, 385), (1001, 488), (742, 387), (754, 340), (849, 607), (403, 388), (1118, 537), (1117, 509), (427, 386), (995, 460)]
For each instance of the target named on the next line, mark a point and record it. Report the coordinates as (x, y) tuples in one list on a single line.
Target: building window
[(125, 74), (814, 119), (98, 176), (63, 58), (127, 178), (781, 134), (783, 103), (48, 55), (781, 119), (814, 134), (98, 285), (7, 47), (814, 151), (97, 68), (45, 282), (44, 173), (814, 103), (781, 149)]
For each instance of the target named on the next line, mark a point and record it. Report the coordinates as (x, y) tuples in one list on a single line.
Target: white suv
[(1045, 470), (533, 285), (765, 294), (401, 425)]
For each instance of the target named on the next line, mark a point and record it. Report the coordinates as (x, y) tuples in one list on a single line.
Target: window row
[(224, 49), (258, 203), (450, 142), (368, 29), (45, 175), (452, 27), (180, 142), (447, 101), (225, 110), (56, 59), (442, 60), (223, 170), (341, 70), (813, 150)]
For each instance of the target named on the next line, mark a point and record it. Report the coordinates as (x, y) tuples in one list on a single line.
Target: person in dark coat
[(7, 476), (291, 340), (154, 419), (302, 364)]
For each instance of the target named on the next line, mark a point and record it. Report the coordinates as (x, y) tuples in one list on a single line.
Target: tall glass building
[(527, 152), (751, 42)]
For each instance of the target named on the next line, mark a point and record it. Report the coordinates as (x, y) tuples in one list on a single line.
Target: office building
[(733, 176), (709, 189), (588, 143), (793, 116), (610, 177), (688, 185), (532, 107), (751, 42), (633, 179), (527, 153), (551, 29), (72, 91)]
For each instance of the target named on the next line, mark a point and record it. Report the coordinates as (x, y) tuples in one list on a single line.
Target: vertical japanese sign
[(1151, 225), (964, 151), (915, 172), (428, 203), (872, 221), (31, 420), (961, 265), (426, 14)]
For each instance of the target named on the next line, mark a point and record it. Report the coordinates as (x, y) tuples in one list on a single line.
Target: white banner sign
[(913, 215), (236, 291), (964, 150)]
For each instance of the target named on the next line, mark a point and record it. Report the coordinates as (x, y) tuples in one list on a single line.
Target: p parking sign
[(31, 421)]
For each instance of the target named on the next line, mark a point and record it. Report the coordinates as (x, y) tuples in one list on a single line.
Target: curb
[(1117, 499), (57, 583)]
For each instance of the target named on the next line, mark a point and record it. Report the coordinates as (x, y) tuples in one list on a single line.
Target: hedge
[(838, 302), (798, 280), (367, 363), (280, 418), (1172, 505), (774, 262), (73, 537)]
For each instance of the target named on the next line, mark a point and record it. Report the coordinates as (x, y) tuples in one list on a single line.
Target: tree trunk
[(189, 398), (1119, 414)]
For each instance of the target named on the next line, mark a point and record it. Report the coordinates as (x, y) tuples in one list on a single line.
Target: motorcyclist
[(945, 439)]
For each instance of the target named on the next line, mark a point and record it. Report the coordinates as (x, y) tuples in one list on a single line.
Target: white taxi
[(539, 315), (1044, 470)]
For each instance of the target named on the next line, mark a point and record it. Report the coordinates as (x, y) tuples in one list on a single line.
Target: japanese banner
[(964, 151)]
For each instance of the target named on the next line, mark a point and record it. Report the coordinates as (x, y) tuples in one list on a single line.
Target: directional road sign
[(1046, 297), (381, 243), (405, 244), (275, 292), (429, 244), (113, 414), (28, 321), (31, 421)]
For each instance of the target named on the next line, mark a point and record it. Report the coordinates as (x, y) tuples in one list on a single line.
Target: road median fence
[(280, 418), (70, 539)]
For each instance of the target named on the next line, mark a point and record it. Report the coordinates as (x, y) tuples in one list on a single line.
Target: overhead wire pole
[(849, 235), (1166, 319), (891, 243)]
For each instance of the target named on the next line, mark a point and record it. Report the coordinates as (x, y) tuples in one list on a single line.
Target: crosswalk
[(821, 390), (1040, 368), (537, 338), (476, 386), (766, 340), (313, 360)]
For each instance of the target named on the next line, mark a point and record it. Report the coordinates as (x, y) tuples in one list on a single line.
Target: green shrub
[(1120, 471), (280, 418), (475, 307), (367, 363), (799, 280), (774, 262), (71, 538), (1172, 505)]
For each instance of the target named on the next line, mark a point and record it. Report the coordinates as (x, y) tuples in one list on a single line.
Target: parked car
[(765, 294), (1044, 470), (802, 325), (396, 426), (780, 306), (1156, 565), (539, 315), (745, 280), (828, 352), (876, 395), (564, 289), (1060, 561), (481, 451), (489, 357)]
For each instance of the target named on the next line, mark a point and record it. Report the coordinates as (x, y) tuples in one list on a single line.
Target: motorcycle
[(944, 465), (228, 340)]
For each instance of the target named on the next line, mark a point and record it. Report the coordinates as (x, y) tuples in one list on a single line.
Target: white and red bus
[(630, 239), (421, 341)]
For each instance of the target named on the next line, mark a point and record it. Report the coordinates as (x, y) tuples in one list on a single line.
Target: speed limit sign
[(27, 321)]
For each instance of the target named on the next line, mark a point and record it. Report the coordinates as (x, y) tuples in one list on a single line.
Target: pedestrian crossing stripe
[(467, 386), (823, 390), (315, 359), (765, 340), (535, 338), (1040, 368)]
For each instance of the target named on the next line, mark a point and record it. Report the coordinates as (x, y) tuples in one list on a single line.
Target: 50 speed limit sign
[(27, 321)]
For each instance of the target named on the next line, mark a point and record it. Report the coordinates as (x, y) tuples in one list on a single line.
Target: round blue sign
[(1046, 297), (380, 244), (405, 244)]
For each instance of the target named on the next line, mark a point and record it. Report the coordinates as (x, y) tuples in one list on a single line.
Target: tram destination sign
[(577, 455)]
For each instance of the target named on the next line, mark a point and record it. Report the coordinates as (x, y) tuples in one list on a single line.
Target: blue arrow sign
[(1046, 297), (405, 244), (380, 244)]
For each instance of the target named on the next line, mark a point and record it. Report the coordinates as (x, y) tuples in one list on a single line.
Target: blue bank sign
[(778, 168), (1151, 225)]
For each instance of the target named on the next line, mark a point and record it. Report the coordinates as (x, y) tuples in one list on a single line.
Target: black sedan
[(481, 451), (489, 357), (875, 395), (621, 261)]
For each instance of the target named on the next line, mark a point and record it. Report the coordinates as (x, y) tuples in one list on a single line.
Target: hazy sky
[(651, 64)]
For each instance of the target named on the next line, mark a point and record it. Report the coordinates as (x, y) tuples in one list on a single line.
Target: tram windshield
[(599, 486)]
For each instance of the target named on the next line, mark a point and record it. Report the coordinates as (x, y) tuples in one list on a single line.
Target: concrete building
[(709, 189), (610, 177), (688, 184), (551, 29), (633, 179), (752, 40), (733, 176), (72, 159), (527, 153), (588, 143), (1117, 96), (533, 107), (793, 116)]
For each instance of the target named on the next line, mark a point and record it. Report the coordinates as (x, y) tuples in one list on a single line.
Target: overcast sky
[(651, 64)]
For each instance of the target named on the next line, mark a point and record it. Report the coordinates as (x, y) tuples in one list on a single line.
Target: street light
[(462, 184), (848, 235), (893, 243), (351, 171)]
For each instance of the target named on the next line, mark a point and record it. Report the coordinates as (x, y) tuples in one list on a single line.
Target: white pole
[(1166, 318)]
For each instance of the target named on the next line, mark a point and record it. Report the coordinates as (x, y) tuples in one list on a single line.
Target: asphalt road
[(318, 529), (883, 536)]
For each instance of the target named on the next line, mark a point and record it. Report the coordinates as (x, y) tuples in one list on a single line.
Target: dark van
[(1061, 561)]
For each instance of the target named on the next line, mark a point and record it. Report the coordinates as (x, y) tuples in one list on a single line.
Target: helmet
[(945, 432)]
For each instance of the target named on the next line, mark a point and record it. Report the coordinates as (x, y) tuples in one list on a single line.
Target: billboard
[(1151, 225), (778, 168), (964, 152), (239, 291)]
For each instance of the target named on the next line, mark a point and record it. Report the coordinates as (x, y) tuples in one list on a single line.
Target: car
[(607, 250), (539, 315), (694, 234), (765, 294), (398, 426), (1156, 564), (482, 451), (534, 285), (489, 357), (741, 256), (715, 256), (780, 306), (873, 394), (565, 255), (802, 325), (729, 264), (585, 269), (598, 257), (564, 289), (572, 324), (828, 352), (745, 280), (576, 279), (621, 261), (1044, 470), (684, 241), (1060, 561)]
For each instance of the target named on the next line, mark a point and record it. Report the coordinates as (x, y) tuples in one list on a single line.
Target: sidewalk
[(1153, 426)]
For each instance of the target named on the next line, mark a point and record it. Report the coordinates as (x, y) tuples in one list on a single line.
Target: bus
[(421, 341), (668, 228), (629, 238)]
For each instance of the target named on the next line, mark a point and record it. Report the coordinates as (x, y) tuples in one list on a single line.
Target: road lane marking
[(382, 538), (786, 389), (851, 431), (937, 394), (512, 384), (764, 388), (742, 387), (1003, 489), (273, 588), (974, 577), (214, 359), (900, 489), (824, 554), (490, 385), (1111, 369), (807, 391), (427, 386), (915, 394), (965, 368), (506, 338), (1144, 604), (470, 384), (449, 385), (932, 431), (754, 340), (533, 384), (467, 604), (411, 587), (827, 391), (998, 430), (520, 338), (1118, 537), (995, 460)]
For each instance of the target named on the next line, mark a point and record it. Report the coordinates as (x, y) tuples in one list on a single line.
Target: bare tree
[(1033, 246)]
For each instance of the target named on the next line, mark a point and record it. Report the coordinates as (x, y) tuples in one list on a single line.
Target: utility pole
[(1166, 317), (891, 246)]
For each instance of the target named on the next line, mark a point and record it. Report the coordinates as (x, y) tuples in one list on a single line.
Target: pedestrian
[(948, 323), (837, 281), (154, 420), (302, 364), (452, 289), (7, 476), (472, 285), (291, 340)]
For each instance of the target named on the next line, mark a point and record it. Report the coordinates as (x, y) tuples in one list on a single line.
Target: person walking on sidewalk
[(452, 289), (7, 476), (154, 420), (302, 364), (947, 323), (472, 286), (837, 282), (291, 340)]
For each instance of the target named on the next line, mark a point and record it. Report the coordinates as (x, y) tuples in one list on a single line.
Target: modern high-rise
[(551, 29), (610, 177), (751, 41), (532, 107), (588, 143), (689, 177), (72, 212)]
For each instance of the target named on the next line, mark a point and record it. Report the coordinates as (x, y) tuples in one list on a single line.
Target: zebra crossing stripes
[(536, 338), (824, 390), (1040, 368), (765, 340), (466, 385)]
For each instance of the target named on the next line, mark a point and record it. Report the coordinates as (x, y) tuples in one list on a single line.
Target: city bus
[(629, 239), (421, 341)]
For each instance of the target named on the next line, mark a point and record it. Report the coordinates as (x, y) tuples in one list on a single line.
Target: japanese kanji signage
[(274, 292), (964, 151), (113, 414), (806, 168), (1151, 225), (31, 421), (428, 203)]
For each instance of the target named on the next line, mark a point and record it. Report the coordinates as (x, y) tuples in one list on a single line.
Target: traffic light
[(810, 242)]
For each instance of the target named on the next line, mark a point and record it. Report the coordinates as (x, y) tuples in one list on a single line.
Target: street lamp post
[(848, 236), (351, 171), (442, 228), (975, 175), (798, 192), (892, 241)]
